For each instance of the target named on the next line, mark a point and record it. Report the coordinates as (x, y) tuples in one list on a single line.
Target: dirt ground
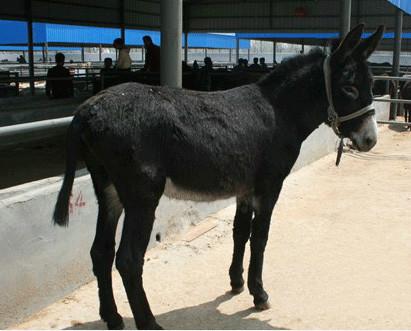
[(338, 257)]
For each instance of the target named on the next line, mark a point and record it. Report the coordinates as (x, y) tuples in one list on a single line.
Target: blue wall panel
[(405, 5)]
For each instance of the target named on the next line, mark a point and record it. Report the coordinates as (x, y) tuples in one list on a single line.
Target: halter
[(334, 120)]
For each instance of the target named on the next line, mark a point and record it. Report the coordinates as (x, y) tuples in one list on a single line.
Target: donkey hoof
[(116, 326), (151, 326), (237, 290), (115, 323), (262, 306)]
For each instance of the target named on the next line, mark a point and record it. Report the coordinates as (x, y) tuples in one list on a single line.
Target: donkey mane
[(295, 74), (290, 65)]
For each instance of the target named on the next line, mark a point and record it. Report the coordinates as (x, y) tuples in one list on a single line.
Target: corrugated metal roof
[(303, 35), (38, 48), (15, 32), (59, 33), (211, 15)]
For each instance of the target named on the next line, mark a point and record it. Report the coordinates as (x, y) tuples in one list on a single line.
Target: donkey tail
[(61, 210)]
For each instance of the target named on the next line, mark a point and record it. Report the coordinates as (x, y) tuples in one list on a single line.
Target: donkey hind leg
[(241, 234), (140, 198), (137, 228), (103, 249), (259, 235)]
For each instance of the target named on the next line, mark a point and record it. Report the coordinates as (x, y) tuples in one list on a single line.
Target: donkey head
[(350, 87)]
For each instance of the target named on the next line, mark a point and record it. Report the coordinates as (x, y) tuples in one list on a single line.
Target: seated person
[(255, 66), (208, 64), (195, 65), (205, 80), (242, 65), (108, 65), (185, 67), (263, 65), (62, 88)]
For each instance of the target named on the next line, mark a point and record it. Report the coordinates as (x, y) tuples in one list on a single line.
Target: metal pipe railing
[(394, 123), (402, 79), (20, 129), (407, 102)]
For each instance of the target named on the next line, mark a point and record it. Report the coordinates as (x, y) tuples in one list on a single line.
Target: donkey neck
[(296, 90)]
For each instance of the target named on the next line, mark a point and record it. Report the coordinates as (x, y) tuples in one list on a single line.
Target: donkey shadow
[(200, 317)]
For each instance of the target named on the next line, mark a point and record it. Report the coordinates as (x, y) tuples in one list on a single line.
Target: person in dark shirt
[(255, 66), (152, 62), (205, 79), (108, 65), (59, 88), (263, 65)]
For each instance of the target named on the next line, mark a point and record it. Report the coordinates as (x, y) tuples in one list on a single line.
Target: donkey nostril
[(370, 142)]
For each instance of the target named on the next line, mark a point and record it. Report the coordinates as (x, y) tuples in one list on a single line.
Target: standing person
[(124, 59), (152, 62), (59, 88)]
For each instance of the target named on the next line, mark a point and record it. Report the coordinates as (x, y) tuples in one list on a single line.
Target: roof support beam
[(396, 57), (237, 49), (122, 23), (186, 47), (29, 16), (345, 17), (171, 20)]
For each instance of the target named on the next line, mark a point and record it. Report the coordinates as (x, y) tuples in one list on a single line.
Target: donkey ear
[(368, 46), (348, 44)]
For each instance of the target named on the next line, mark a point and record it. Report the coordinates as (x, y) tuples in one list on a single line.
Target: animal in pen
[(140, 142), (406, 94)]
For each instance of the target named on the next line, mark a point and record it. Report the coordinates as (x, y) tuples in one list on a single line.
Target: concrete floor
[(339, 257)]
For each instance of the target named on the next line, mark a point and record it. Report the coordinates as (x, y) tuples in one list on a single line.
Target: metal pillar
[(100, 58), (186, 47), (171, 19), (46, 52), (274, 53), (237, 50), (229, 55), (248, 55), (29, 15), (396, 58), (82, 54), (345, 17), (43, 52), (122, 25)]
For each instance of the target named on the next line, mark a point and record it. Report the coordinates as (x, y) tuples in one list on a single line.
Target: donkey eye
[(351, 91)]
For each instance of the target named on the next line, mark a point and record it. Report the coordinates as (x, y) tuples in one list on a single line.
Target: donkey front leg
[(137, 228), (241, 234), (263, 207)]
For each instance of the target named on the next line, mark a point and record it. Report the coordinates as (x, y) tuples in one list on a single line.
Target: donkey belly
[(174, 191)]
